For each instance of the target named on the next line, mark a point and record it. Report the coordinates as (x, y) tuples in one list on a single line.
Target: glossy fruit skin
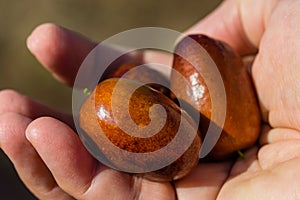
[(242, 120), (97, 120), (144, 75), (136, 69)]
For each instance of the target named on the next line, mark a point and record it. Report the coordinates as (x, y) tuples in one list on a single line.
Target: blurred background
[(97, 19)]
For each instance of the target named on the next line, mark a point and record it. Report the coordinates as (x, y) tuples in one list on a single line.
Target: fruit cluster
[(107, 119)]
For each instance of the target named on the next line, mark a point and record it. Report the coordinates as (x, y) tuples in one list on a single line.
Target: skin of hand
[(52, 162)]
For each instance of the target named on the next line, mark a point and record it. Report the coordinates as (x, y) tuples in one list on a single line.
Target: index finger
[(62, 51), (59, 50)]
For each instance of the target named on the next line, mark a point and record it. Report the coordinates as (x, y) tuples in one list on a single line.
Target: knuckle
[(7, 127), (8, 93), (10, 101), (12, 135)]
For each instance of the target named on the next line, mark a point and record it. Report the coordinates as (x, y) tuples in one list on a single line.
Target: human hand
[(53, 163), (47, 154), (267, 30)]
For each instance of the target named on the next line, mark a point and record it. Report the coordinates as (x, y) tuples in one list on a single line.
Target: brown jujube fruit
[(97, 120), (242, 120), (144, 74)]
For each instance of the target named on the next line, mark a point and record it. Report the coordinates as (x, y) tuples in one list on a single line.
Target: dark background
[(97, 19)]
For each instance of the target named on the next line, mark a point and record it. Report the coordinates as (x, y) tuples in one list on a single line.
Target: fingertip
[(38, 34), (41, 41), (24, 157), (31, 132), (59, 50), (38, 130), (62, 152)]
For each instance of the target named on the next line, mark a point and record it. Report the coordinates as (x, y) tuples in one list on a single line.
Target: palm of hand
[(273, 167), (269, 167)]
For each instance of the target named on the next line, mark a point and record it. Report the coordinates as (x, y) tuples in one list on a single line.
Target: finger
[(204, 182), (27, 162), (242, 171), (280, 182), (288, 117), (59, 50), (247, 164), (163, 58), (62, 51), (239, 23), (147, 189), (279, 152), (78, 173), (71, 165), (270, 135), (12, 101)]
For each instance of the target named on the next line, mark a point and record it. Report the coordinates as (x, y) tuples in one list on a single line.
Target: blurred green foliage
[(97, 19)]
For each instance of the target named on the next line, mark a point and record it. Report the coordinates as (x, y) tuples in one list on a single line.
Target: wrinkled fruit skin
[(242, 122), (97, 120)]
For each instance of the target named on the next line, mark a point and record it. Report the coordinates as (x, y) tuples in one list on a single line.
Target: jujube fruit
[(242, 121), (97, 120)]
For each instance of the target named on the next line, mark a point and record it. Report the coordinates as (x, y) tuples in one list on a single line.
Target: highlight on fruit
[(158, 131)]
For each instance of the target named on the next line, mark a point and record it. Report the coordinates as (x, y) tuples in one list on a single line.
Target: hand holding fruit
[(97, 110), (53, 163)]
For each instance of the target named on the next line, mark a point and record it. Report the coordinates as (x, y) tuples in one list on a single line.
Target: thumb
[(240, 23)]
